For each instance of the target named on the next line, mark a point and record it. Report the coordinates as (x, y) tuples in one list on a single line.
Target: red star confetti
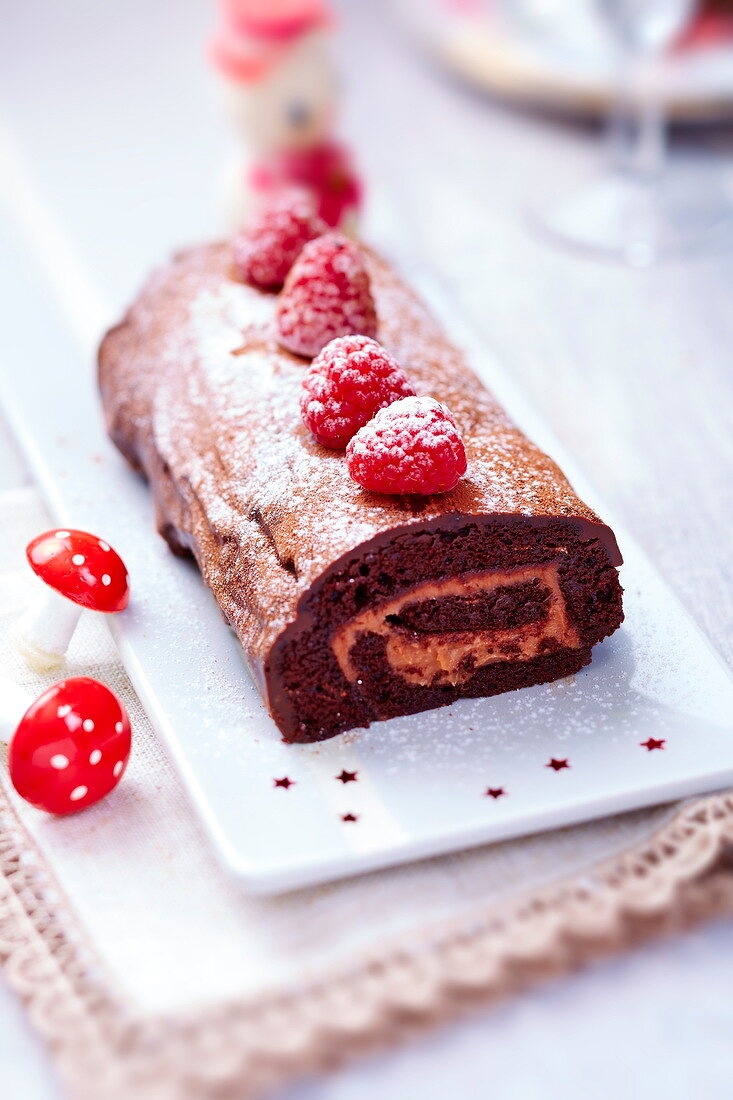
[(557, 765), (349, 817), (495, 792), (347, 777), (284, 782), (653, 743)]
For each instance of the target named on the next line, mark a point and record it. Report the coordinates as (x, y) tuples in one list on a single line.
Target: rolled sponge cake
[(350, 606)]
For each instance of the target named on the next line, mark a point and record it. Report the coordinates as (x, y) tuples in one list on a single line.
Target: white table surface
[(109, 108)]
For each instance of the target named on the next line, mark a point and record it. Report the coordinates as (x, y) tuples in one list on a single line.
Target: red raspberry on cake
[(350, 380), (412, 446), (326, 294), (265, 251)]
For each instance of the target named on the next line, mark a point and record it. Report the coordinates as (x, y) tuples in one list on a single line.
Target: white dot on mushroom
[(95, 756), (78, 559), (103, 545), (62, 534), (106, 579), (62, 711), (77, 793), (118, 727), (88, 725), (117, 768), (59, 761)]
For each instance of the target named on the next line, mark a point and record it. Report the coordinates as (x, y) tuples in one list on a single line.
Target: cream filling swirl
[(451, 657)]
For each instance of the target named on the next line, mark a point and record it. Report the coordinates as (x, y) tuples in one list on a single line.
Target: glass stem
[(637, 130)]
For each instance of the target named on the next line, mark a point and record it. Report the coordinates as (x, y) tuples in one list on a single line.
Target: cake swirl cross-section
[(351, 606)]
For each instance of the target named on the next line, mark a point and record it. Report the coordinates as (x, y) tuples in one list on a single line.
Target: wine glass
[(649, 203)]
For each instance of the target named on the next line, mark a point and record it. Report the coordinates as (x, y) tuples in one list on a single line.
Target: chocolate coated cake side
[(350, 606)]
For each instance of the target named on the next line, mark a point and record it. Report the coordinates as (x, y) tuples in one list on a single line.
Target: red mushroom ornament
[(78, 570), (70, 747)]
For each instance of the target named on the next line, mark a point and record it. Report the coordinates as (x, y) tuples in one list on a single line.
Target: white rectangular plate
[(421, 781)]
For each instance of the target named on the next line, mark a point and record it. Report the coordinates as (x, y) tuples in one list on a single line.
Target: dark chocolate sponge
[(350, 606)]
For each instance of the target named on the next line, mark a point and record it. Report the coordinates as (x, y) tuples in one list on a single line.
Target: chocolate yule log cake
[(350, 605)]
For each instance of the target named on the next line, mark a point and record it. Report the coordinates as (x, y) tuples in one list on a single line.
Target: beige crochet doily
[(243, 1049)]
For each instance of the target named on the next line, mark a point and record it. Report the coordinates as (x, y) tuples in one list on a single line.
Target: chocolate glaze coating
[(200, 398)]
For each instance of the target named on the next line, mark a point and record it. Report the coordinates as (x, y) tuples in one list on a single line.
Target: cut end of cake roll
[(437, 612)]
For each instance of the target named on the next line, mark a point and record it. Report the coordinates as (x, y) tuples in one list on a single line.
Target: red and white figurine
[(78, 571), (69, 748), (277, 81)]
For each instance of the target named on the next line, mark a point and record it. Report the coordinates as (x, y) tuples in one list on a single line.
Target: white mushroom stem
[(46, 629), (14, 702)]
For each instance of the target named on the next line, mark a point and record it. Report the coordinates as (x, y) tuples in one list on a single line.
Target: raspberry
[(413, 446), (346, 384), (265, 251), (326, 294)]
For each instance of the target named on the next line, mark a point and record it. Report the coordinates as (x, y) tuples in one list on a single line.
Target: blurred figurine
[(280, 91)]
